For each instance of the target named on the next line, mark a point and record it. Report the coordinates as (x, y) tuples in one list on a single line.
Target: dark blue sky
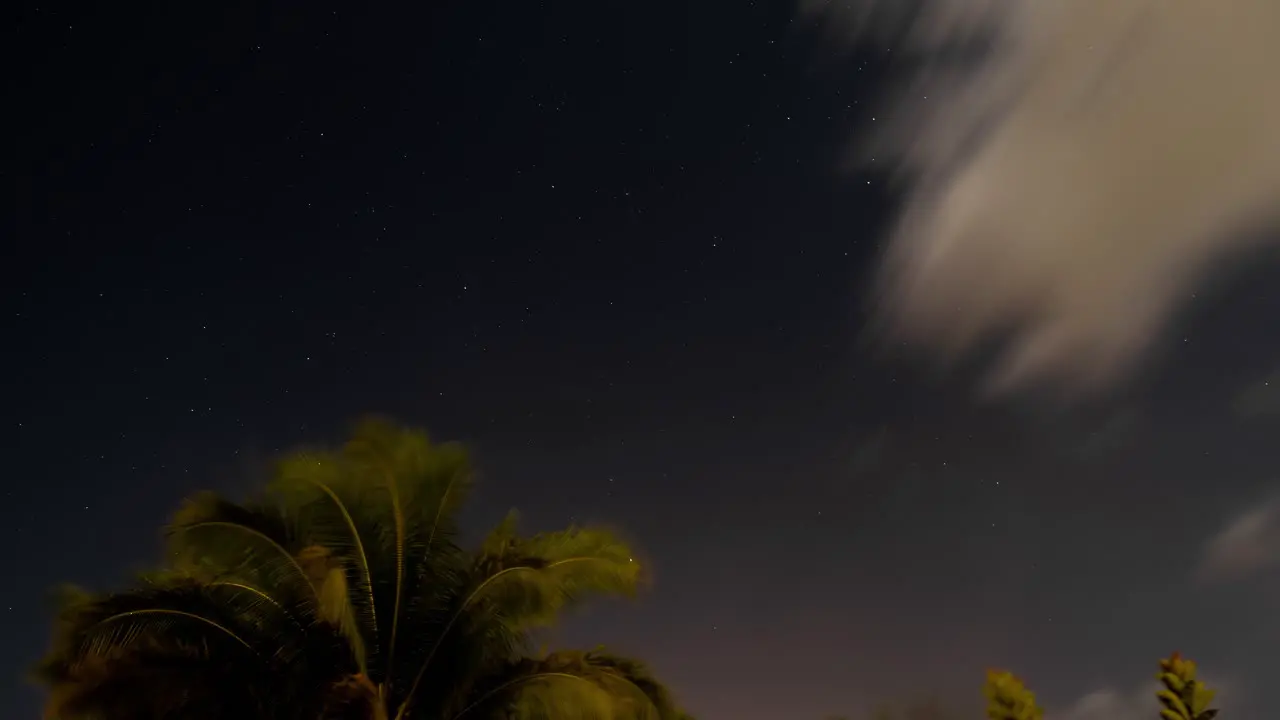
[(609, 247)]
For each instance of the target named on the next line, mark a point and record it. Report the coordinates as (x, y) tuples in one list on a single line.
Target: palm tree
[(342, 592), (173, 646)]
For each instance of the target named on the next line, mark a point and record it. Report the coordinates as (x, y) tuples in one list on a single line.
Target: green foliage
[(1182, 696), (175, 646), (573, 685), (1009, 699), (341, 592)]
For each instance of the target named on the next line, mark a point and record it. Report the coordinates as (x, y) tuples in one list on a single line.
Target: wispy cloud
[(1112, 434), (1074, 170), (1248, 544), (1110, 705), (1136, 704)]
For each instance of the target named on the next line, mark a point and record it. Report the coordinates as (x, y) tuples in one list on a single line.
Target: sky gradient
[(613, 249)]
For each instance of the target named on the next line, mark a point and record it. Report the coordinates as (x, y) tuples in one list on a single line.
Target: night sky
[(612, 248)]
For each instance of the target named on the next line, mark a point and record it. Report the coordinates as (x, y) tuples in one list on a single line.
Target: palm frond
[(218, 539), (385, 505), (638, 674), (419, 487), (106, 649), (554, 696), (193, 614), (326, 509), (142, 686), (337, 610), (516, 585), (176, 646), (529, 582), (568, 685)]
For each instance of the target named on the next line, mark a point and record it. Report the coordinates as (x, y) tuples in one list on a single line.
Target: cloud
[(1249, 544), (1138, 704), (1118, 429), (1111, 705), (1073, 170)]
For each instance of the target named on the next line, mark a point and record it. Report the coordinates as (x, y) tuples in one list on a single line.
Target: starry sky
[(612, 248)]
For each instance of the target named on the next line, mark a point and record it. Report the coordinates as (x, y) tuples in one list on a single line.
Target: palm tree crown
[(342, 592)]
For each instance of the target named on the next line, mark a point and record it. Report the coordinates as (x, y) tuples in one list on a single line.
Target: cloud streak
[(1074, 169), (1111, 704), (1247, 545)]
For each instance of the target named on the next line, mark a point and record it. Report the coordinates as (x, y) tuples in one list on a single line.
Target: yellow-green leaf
[(1173, 702), (1203, 696), (1171, 681)]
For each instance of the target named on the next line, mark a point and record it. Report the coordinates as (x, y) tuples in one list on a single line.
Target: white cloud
[(1138, 704), (1250, 543), (1075, 184), (1111, 705)]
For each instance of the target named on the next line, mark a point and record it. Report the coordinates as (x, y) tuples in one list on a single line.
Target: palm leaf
[(374, 448), (141, 688), (325, 511), (517, 585), (529, 582), (385, 506), (176, 646), (106, 650), (554, 696), (182, 613), (420, 486), (219, 539), (571, 685), (637, 674)]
